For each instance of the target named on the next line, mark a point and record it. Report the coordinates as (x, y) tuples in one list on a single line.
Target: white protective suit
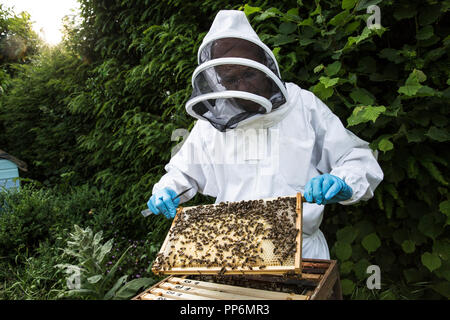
[(273, 154)]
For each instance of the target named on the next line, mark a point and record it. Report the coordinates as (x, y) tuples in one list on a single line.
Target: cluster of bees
[(232, 235)]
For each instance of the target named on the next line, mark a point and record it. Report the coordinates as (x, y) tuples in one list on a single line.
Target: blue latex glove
[(327, 188), (161, 202)]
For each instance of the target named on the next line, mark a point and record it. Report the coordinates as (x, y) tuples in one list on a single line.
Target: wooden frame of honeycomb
[(246, 237)]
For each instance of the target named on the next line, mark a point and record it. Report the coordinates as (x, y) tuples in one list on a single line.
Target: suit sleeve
[(190, 167), (345, 155)]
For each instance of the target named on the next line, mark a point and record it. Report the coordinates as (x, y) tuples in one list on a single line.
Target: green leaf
[(347, 234), (282, 39), (352, 78), (352, 27), (95, 279), (412, 84), (97, 237), (444, 207), (388, 295), (276, 53), (307, 22), (438, 134), (339, 18), (351, 41), (429, 227), (430, 15), (439, 120), (442, 288), (287, 27), (328, 82), (408, 246), (347, 286), (363, 114), (385, 145), (111, 292), (434, 54), (404, 12), (131, 288), (322, 92), (391, 55), (319, 68), (431, 261), (346, 267), (434, 171), (292, 14), (364, 4), (248, 10), (348, 4), (425, 33), (419, 75), (317, 11), (360, 268), (333, 68), (113, 270), (306, 41), (343, 250), (442, 249), (415, 135), (412, 275), (363, 96), (81, 293), (371, 242), (105, 249), (269, 13), (444, 271)]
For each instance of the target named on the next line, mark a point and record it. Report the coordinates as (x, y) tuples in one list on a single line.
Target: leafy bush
[(35, 223), (18, 45), (34, 215), (34, 278), (90, 277), (34, 114)]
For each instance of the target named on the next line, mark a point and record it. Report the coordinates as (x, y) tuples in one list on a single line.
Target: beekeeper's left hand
[(327, 188)]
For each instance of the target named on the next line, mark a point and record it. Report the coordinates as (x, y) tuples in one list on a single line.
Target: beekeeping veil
[(237, 81)]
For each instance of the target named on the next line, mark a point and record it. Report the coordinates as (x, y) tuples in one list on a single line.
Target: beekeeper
[(258, 137)]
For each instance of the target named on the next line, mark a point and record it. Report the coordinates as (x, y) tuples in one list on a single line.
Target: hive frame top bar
[(294, 268)]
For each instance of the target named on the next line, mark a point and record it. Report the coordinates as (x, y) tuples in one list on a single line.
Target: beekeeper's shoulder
[(202, 131), (306, 101)]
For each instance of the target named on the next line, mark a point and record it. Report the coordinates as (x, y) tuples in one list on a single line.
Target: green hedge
[(36, 215), (389, 85)]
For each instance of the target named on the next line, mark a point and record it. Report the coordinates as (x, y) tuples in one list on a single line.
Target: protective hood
[(238, 80)]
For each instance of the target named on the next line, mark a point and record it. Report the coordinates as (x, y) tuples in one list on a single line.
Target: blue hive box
[(9, 171)]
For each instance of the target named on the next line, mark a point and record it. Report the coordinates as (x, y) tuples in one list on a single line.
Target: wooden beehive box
[(318, 281), (247, 237)]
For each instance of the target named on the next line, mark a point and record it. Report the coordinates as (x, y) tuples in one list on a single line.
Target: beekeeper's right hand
[(161, 202)]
